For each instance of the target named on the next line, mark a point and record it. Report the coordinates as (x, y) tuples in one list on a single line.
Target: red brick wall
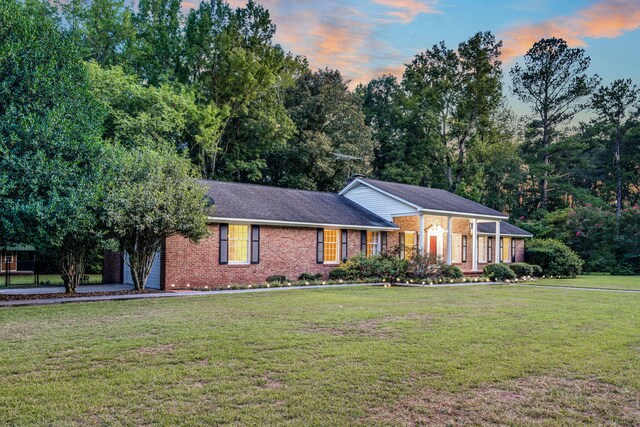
[(289, 251), (112, 267)]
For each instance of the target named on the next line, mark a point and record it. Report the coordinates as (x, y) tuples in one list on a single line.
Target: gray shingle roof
[(250, 201), (432, 198), (505, 228)]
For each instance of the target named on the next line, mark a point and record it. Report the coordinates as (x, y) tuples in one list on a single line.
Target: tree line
[(94, 93)]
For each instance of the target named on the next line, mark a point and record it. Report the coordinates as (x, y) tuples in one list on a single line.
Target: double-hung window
[(409, 244), (482, 249), (331, 246), (238, 244), (373, 243), (505, 249), (456, 246)]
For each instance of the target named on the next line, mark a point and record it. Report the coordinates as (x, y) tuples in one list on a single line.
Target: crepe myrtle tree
[(155, 196)]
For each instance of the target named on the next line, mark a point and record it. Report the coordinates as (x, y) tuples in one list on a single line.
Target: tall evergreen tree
[(554, 80)]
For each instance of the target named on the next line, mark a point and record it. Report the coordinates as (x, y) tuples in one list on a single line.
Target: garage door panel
[(153, 281)]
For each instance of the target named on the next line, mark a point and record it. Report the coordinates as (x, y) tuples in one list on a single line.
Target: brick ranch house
[(258, 231)]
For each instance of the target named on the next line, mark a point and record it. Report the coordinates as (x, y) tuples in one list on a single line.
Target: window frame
[(247, 242), (456, 248), (482, 249), (374, 246), (464, 247), (325, 244)]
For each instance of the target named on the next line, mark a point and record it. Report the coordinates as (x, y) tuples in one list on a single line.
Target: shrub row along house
[(259, 231)]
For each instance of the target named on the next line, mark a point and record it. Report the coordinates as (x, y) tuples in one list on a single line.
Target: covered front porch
[(456, 239)]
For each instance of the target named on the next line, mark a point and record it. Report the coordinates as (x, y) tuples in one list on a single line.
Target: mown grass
[(603, 281), (45, 280), (368, 356)]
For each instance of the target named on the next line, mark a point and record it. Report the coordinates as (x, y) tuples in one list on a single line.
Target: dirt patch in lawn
[(540, 400), (21, 297), (163, 348), (377, 327)]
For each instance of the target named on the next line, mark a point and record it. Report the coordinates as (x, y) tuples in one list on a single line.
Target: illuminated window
[(409, 244), (505, 248), (456, 246), (331, 246), (482, 249), (373, 243), (238, 244)]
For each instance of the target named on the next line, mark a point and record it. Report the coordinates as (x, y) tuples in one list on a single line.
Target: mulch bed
[(20, 297)]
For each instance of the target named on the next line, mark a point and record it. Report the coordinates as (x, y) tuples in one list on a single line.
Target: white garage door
[(153, 281)]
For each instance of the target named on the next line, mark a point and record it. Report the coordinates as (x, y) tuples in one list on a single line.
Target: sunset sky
[(366, 38)]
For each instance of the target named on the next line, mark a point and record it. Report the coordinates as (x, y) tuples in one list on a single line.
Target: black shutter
[(320, 246), (501, 249), (401, 246), (513, 250), (255, 244), (464, 248), (343, 242), (363, 242), (224, 243), (383, 242)]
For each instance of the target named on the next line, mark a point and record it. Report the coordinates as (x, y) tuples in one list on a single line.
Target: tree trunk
[(140, 261), (73, 263), (618, 180)]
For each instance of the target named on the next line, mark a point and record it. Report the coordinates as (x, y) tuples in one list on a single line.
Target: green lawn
[(52, 279), (349, 356), (596, 281)]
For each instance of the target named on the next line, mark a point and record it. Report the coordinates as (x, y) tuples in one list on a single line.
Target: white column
[(449, 239), (421, 235), (474, 245), (496, 259)]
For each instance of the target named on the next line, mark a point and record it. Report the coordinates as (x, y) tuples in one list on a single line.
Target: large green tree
[(51, 168), (617, 107), (332, 140), (553, 80), (104, 28)]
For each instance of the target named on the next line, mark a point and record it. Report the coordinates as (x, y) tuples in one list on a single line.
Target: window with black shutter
[(224, 243), (255, 244), (344, 244), (320, 246)]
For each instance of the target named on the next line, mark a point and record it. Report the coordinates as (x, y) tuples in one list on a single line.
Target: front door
[(433, 245)]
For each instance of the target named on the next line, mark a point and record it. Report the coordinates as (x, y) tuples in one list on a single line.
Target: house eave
[(298, 224)]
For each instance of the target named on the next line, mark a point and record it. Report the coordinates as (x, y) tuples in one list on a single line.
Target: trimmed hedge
[(309, 277), (451, 272), (555, 258), (276, 278), (499, 272), (339, 273), (536, 270), (521, 269)]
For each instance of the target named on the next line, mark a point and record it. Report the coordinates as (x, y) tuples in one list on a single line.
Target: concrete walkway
[(181, 293), (60, 289), (576, 288)]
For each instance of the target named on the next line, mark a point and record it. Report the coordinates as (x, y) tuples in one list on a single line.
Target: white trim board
[(297, 224)]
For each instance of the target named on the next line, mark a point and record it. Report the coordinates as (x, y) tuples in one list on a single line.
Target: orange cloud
[(406, 10), (606, 19)]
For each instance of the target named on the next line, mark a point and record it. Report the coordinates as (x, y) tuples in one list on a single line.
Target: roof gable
[(429, 199)]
